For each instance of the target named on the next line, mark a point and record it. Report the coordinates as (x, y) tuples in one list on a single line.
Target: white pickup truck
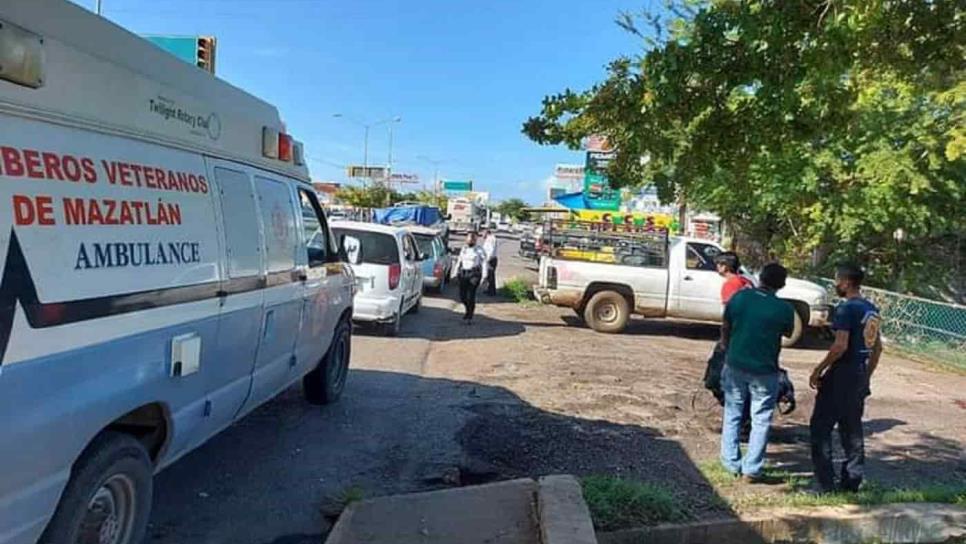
[(677, 280)]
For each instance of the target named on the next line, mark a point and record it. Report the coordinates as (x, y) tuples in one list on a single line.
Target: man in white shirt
[(469, 272), (489, 248)]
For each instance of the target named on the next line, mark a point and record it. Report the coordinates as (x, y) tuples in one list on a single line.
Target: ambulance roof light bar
[(21, 56), (281, 146)]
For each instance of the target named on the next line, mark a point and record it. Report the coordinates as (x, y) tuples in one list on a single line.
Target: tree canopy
[(818, 130), (379, 196), (512, 208)]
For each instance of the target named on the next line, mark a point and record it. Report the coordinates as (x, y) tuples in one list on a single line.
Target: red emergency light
[(276, 144), (284, 147)]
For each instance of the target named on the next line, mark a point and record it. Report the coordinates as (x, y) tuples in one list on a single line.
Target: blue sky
[(463, 75)]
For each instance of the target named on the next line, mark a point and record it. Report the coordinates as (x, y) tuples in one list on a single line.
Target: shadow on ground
[(271, 477), (922, 460), (445, 323), (695, 330)]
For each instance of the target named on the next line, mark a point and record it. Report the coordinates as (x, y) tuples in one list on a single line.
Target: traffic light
[(206, 53)]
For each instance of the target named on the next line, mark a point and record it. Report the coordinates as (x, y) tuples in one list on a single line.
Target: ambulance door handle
[(688, 278)]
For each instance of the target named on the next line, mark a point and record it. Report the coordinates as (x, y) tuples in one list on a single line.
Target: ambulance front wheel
[(324, 384), (108, 497)]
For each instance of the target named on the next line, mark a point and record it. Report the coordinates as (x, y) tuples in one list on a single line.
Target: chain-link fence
[(920, 327)]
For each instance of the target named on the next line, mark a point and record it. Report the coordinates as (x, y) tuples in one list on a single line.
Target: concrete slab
[(499, 513), (563, 514)]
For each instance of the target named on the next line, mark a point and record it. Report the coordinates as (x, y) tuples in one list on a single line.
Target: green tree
[(513, 208), (372, 196), (816, 129)]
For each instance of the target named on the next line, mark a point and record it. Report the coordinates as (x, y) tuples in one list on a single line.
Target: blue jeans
[(741, 387)]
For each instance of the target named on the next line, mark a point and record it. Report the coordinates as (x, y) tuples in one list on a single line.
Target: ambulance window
[(241, 233), (316, 232), (278, 224)]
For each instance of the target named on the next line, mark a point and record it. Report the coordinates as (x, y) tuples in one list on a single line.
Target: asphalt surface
[(274, 476)]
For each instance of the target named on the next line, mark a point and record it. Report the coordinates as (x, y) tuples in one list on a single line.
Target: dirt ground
[(632, 404), (525, 391)]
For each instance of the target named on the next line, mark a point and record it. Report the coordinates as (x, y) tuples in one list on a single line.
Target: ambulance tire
[(607, 311), (325, 383), (109, 490)]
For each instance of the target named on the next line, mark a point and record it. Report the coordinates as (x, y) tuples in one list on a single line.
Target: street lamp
[(435, 164), (365, 144)]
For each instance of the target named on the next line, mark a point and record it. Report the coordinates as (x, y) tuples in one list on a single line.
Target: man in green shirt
[(754, 322)]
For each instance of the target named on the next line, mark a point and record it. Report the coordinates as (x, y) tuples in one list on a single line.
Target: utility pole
[(97, 7), (365, 142), (435, 164), (365, 157), (389, 162)]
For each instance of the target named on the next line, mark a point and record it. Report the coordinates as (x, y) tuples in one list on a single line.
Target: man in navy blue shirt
[(842, 380)]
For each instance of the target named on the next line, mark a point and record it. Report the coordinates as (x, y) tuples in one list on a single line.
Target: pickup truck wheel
[(324, 385), (108, 497), (607, 311), (797, 331)]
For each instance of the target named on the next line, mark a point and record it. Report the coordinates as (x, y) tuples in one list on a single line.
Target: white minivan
[(387, 265), (166, 268)]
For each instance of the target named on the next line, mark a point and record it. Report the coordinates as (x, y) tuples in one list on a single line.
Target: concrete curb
[(562, 513), (551, 511), (919, 523)]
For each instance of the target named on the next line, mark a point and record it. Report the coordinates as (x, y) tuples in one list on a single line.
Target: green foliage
[(513, 208), (372, 196), (814, 128), (351, 494), (796, 491), (379, 196), (517, 289), (616, 503)]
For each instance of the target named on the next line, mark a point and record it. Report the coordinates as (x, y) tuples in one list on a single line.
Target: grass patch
[(797, 491), (351, 494), (616, 503), (517, 289), (870, 495)]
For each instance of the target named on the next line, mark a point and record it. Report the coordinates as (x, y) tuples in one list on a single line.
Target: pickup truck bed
[(590, 274)]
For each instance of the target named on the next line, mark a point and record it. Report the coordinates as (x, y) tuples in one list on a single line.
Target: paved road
[(268, 478)]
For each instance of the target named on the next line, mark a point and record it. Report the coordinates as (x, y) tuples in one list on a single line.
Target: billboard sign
[(367, 172), (403, 178), (596, 142), (457, 186), (567, 172), (598, 161)]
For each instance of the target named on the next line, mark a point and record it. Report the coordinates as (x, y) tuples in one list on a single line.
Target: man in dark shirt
[(754, 322), (842, 380)]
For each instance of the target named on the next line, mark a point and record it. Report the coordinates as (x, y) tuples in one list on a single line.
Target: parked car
[(606, 277), (387, 264), (158, 286), (437, 262)]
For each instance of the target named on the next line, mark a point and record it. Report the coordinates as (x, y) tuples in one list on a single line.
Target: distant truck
[(607, 276), (464, 215)]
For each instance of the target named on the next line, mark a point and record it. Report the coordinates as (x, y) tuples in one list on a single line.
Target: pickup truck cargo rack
[(627, 244)]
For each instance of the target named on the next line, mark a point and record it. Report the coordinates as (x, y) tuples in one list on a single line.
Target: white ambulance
[(166, 268)]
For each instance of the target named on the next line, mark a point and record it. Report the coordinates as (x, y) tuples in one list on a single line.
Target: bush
[(616, 504), (517, 289)]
